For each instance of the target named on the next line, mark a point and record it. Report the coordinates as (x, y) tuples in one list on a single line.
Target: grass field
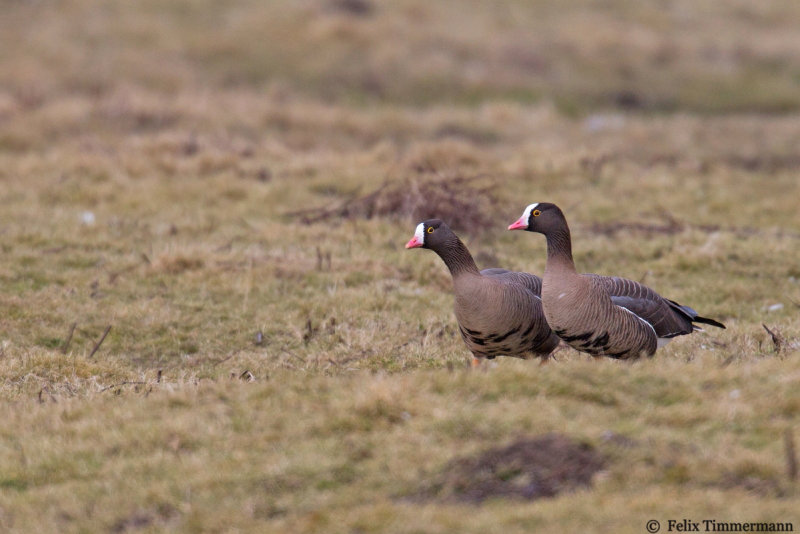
[(229, 186)]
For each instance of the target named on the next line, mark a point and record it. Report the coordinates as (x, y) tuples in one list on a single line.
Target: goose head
[(541, 217), (430, 234)]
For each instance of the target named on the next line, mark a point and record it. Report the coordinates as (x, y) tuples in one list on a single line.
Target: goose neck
[(457, 258), (559, 249)]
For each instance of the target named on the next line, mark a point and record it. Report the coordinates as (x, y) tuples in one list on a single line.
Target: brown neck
[(559, 248), (457, 257)]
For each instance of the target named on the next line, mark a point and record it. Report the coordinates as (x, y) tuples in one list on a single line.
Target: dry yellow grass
[(265, 374)]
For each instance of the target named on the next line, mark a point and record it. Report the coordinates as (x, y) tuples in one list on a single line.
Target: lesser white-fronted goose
[(601, 315), (499, 312)]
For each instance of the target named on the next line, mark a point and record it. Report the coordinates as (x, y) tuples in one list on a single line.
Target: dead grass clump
[(162, 515), (176, 264), (529, 468), (466, 203), (672, 226), (764, 163), (757, 485)]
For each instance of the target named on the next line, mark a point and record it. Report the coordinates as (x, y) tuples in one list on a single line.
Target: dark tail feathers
[(706, 320), (693, 315)]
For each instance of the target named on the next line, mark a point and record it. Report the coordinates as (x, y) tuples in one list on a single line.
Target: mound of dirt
[(529, 468), (468, 204)]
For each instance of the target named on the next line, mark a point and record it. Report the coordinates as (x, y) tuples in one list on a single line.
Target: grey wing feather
[(530, 281), (668, 318)]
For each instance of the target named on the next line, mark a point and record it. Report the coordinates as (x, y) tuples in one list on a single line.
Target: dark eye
[(430, 229), (536, 213)]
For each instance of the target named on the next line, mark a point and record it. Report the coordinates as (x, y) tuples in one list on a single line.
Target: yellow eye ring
[(536, 213), (430, 229)]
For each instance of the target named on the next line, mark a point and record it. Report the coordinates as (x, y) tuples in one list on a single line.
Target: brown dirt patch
[(529, 468)]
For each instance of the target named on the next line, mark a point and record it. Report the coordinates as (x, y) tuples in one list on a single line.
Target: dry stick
[(45, 390), (310, 331), (100, 342), (69, 338), (791, 454), (776, 339)]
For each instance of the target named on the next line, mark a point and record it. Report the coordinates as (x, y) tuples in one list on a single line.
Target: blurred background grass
[(229, 186), (671, 55)]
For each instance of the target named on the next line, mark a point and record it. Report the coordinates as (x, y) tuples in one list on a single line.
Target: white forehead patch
[(419, 233), (526, 215)]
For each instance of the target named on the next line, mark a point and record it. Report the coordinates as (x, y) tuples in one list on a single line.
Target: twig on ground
[(45, 390), (65, 348), (777, 338), (310, 331), (100, 341)]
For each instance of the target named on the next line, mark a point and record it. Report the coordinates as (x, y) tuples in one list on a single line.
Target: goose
[(601, 315), (499, 312)]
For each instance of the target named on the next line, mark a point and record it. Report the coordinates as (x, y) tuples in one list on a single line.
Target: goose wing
[(530, 281), (667, 318)]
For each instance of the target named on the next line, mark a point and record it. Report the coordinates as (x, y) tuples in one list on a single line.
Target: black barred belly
[(515, 342), (596, 345)]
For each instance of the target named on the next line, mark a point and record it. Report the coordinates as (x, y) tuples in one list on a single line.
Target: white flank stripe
[(645, 322)]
